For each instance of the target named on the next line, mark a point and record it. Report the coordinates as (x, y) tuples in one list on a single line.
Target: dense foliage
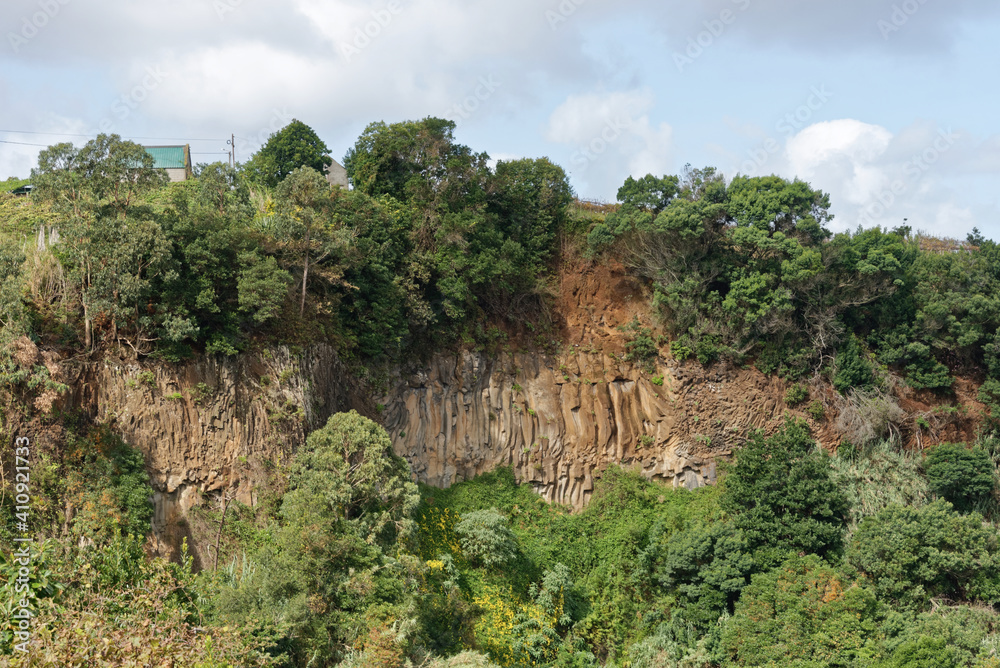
[(877, 556)]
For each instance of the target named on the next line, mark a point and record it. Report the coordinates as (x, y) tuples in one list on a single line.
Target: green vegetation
[(878, 556)]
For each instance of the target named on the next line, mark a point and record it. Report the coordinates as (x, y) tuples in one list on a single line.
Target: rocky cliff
[(208, 427), (217, 428), (559, 421)]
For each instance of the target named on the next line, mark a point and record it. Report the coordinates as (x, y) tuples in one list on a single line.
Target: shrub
[(486, 538), (640, 346), (816, 410), (854, 371), (961, 475), (796, 394), (783, 496), (681, 349), (929, 375), (949, 637), (914, 554), (803, 613)]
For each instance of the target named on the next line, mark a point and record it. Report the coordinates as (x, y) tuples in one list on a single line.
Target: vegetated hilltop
[(201, 344)]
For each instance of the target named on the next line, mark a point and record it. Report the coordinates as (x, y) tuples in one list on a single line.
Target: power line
[(70, 134), (20, 143)]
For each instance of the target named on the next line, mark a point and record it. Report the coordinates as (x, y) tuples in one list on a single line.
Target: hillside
[(454, 417)]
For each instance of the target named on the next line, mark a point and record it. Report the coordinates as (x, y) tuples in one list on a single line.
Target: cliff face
[(212, 426), (219, 427), (560, 421)]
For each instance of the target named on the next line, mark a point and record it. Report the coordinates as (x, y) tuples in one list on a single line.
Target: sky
[(890, 106)]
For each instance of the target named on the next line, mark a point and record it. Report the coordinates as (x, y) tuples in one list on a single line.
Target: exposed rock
[(215, 424), (560, 421)]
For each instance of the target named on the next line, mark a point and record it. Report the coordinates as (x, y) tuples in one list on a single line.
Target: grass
[(879, 475)]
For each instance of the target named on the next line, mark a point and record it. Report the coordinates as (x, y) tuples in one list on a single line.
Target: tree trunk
[(305, 277)]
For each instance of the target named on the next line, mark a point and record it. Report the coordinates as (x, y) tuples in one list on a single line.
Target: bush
[(803, 613), (961, 475), (948, 637), (912, 555), (486, 538), (783, 496), (796, 394), (640, 347), (681, 349), (854, 371)]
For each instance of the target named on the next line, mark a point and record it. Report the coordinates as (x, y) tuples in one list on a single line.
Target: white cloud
[(612, 137), (877, 178)]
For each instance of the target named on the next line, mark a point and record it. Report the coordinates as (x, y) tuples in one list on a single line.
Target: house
[(176, 160), (336, 175)]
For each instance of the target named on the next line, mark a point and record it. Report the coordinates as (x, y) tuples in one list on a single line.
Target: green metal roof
[(167, 157)]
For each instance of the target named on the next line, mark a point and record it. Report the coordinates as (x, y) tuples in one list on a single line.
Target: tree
[(110, 243), (963, 476), (486, 538), (419, 161), (335, 559), (912, 555), (649, 193), (783, 496), (705, 567), (347, 476), (295, 145), (308, 200)]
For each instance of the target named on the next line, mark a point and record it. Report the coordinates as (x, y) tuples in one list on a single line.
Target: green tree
[(964, 476), (111, 243), (803, 613), (310, 229), (914, 554), (783, 496), (705, 567), (486, 538), (294, 146), (347, 473), (649, 193), (334, 574)]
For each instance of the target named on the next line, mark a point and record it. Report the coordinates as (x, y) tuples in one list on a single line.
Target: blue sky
[(888, 105)]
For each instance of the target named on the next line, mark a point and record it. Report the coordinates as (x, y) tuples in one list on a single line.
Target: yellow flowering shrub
[(436, 533)]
